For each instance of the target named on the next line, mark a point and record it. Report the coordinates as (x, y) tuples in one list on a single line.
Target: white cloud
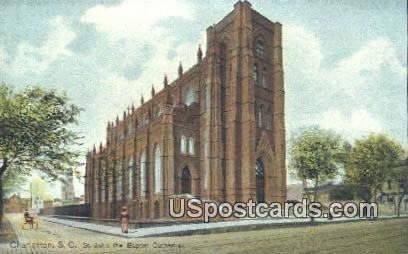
[(302, 51), (363, 121), (33, 59), (333, 96), (303, 58), (372, 57), (353, 124), (132, 25), (134, 19), (354, 72), (117, 92), (58, 39), (159, 64), (359, 120)]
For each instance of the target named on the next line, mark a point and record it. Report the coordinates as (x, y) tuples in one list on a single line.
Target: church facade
[(217, 132)]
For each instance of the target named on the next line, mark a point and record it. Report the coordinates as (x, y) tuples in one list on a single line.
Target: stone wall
[(82, 210)]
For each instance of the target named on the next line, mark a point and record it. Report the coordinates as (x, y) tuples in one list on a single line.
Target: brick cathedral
[(216, 132)]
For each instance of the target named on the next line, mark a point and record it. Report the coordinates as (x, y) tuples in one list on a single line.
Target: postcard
[(147, 126)]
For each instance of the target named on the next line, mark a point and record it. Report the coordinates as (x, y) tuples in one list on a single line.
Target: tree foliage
[(341, 192), (38, 189), (370, 161), (316, 156), (35, 132), (13, 179)]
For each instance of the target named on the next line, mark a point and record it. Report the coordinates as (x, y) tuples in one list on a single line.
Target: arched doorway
[(156, 209), (260, 181), (185, 181)]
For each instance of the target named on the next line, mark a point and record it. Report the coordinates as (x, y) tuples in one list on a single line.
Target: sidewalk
[(198, 228)]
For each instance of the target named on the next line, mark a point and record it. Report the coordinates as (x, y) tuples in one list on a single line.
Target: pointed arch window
[(143, 174), (263, 78), (260, 180), (96, 186), (110, 184), (96, 195), (191, 145), (256, 73), (259, 48), (190, 96), (260, 117), (204, 98), (207, 165), (103, 185), (145, 120), (130, 128), (119, 180), (158, 113), (130, 175), (157, 169), (183, 144)]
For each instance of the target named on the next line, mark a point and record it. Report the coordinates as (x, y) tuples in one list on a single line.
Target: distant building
[(13, 204), (67, 188), (16, 204), (391, 188)]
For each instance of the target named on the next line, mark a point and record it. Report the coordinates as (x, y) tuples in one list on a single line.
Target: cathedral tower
[(247, 140)]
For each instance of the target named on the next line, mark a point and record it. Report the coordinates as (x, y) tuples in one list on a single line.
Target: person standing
[(124, 219)]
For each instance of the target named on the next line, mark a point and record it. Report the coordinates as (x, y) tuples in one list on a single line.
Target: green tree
[(38, 189), (35, 133), (399, 175), (316, 156), (370, 162)]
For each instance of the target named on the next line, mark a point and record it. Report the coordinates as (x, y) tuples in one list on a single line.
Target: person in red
[(124, 219)]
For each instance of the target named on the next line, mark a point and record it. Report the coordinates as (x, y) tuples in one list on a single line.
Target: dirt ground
[(382, 236)]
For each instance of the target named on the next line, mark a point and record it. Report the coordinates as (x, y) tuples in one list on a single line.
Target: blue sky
[(345, 61)]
